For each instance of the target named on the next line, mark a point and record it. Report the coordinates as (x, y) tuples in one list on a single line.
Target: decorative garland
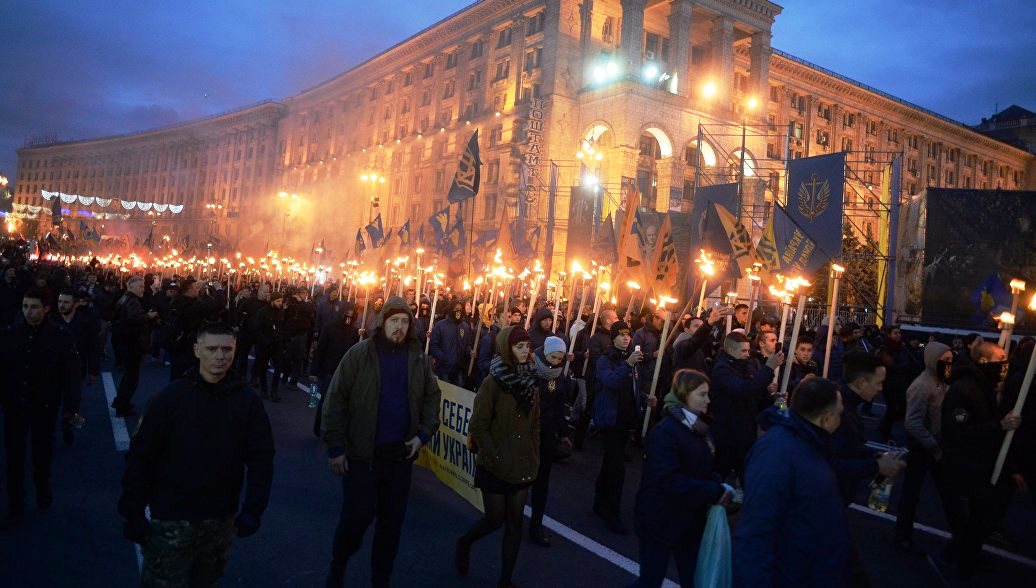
[(105, 202)]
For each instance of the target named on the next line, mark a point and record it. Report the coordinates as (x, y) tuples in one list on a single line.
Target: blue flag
[(723, 194), (420, 235), (815, 192), (404, 234), (55, 209), (376, 232), (440, 223), (360, 246), (468, 177)]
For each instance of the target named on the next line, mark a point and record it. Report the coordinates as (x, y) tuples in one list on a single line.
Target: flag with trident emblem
[(468, 176)]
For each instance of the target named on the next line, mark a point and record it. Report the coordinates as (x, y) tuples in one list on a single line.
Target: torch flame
[(1017, 286)]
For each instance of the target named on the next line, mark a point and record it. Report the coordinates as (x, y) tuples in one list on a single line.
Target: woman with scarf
[(504, 430), (554, 387), (678, 484)]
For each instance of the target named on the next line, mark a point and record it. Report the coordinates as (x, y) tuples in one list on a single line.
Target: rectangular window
[(390, 87), (451, 60), (429, 69), (504, 38), (608, 29), (449, 89), (503, 70), (477, 48), (426, 97), (533, 58), (417, 184), (475, 79), (774, 94), (493, 173), (536, 23), (440, 180), (496, 135), (489, 212), (408, 78)]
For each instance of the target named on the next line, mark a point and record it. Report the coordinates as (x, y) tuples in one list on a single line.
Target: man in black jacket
[(41, 372), (270, 345), (85, 331), (189, 312), (187, 462), (130, 340), (973, 428), (335, 339)]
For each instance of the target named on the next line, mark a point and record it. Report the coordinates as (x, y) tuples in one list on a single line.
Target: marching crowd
[(785, 467)]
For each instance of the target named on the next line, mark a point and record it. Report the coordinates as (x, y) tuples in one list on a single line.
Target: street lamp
[(375, 178), (590, 151), (289, 198), (749, 106)]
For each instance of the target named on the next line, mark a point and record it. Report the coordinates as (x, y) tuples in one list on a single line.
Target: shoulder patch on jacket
[(961, 415)]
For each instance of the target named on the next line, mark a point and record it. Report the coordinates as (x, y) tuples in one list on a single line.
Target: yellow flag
[(740, 239), (666, 264)]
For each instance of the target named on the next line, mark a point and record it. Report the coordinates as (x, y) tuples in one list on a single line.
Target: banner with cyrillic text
[(446, 454)]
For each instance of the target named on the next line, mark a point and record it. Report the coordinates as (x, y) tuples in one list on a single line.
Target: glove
[(137, 530), (246, 524)]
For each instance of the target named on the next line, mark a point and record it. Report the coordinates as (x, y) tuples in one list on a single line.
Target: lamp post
[(375, 178), (589, 151), (750, 105), (288, 200)]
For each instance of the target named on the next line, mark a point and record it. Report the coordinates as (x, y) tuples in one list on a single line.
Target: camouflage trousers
[(186, 553)]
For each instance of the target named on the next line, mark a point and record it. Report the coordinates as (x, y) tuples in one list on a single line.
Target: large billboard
[(975, 243)]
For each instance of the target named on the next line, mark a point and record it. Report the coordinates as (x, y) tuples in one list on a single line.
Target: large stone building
[(621, 81)]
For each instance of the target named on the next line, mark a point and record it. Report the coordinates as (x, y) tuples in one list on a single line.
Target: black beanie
[(619, 328)]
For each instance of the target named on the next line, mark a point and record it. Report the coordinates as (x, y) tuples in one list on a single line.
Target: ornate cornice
[(758, 13)]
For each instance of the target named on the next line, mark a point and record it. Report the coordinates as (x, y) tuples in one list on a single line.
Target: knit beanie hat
[(619, 328), (552, 344), (517, 335)]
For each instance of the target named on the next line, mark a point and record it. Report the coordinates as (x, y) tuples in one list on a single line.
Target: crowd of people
[(785, 466)]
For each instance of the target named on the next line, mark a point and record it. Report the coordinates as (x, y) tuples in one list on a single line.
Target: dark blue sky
[(87, 68)]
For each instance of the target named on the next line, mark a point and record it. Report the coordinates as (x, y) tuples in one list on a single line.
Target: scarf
[(519, 381), (544, 369)]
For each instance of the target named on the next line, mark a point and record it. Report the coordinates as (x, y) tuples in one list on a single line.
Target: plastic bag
[(714, 557)]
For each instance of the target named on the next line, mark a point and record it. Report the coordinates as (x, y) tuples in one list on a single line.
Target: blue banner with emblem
[(816, 187), (467, 179)]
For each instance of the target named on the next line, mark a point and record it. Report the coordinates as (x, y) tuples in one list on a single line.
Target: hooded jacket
[(336, 338), (350, 415), (793, 529), (738, 394), (508, 441), (971, 432), (854, 462), (538, 335), (450, 344), (924, 398)]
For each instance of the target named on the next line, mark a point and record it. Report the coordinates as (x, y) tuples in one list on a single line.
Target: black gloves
[(137, 530), (247, 524)]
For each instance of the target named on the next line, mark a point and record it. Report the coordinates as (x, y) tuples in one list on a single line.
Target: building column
[(759, 69), (632, 35), (723, 59), (680, 44), (586, 16)]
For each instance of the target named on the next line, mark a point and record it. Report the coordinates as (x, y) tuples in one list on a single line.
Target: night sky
[(81, 69)]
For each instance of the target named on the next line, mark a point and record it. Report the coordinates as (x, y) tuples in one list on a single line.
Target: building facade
[(646, 88)]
